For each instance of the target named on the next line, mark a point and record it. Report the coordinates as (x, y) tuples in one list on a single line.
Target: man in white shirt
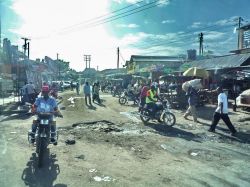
[(221, 112), (31, 92)]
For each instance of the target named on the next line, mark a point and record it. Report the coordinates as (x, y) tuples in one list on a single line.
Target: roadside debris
[(193, 154), (70, 141), (82, 157), (104, 178), (92, 170), (71, 99)]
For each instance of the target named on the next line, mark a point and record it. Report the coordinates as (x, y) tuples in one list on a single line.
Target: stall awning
[(222, 62)]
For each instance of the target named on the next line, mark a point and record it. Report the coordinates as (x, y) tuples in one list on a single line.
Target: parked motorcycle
[(128, 96), (43, 135), (162, 114)]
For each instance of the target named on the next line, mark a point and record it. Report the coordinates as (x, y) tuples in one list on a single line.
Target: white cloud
[(160, 3), (163, 3), (225, 22), (44, 21), (196, 25), (132, 25), (127, 1), (213, 35), (132, 1), (168, 21), (118, 1)]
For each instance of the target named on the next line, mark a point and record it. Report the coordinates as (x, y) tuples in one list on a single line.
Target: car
[(65, 84)]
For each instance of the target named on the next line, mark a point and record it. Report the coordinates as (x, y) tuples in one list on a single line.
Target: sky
[(151, 27)]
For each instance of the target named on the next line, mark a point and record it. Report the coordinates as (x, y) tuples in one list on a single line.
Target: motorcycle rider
[(45, 103), (151, 99), (143, 96)]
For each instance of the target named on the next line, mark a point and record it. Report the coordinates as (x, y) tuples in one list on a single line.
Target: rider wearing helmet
[(45, 103), (151, 99)]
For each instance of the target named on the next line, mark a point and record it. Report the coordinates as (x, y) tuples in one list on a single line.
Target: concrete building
[(153, 66)]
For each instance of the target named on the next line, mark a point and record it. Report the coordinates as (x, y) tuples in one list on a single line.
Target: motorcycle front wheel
[(169, 119), (41, 151), (122, 100), (144, 116)]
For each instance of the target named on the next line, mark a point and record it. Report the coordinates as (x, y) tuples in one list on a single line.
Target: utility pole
[(0, 27), (201, 44), (25, 46), (0, 24), (118, 55), (239, 25), (87, 59), (28, 50)]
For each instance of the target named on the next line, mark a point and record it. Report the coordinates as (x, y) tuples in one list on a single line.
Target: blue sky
[(169, 28)]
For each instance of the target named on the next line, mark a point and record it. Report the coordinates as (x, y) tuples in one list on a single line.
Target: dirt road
[(113, 148)]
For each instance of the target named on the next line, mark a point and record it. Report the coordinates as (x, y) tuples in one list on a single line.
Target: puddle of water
[(131, 116)]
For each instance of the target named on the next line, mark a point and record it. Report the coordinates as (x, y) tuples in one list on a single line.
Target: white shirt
[(222, 98)]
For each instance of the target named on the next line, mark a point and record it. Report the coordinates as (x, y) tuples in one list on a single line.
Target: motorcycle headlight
[(44, 121)]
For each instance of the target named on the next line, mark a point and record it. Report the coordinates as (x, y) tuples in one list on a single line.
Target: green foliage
[(63, 65)]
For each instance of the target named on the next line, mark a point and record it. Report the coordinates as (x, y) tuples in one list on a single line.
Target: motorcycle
[(162, 114), (43, 135), (54, 93), (116, 91), (128, 96)]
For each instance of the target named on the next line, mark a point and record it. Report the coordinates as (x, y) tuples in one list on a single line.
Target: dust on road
[(113, 148)]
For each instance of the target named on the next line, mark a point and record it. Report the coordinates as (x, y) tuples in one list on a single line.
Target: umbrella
[(197, 72)]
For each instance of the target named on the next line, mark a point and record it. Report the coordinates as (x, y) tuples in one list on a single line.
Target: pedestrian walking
[(221, 112), (71, 85), (87, 92), (95, 91), (77, 88), (192, 103)]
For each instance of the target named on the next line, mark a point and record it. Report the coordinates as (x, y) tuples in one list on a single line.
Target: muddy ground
[(113, 148)]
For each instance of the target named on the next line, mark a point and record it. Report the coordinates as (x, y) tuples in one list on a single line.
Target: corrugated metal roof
[(221, 62), (139, 58)]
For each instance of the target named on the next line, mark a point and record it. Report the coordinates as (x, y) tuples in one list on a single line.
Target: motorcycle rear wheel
[(169, 119), (122, 100)]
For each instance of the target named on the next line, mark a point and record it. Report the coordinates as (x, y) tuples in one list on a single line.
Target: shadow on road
[(241, 137), (45, 176), (172, 132), (100, 104), (91, 107), (14, 116)]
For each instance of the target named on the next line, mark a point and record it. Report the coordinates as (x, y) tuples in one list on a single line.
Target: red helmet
[(45, 88)]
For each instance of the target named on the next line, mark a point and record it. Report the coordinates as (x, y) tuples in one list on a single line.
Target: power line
[(102, 16), (176, 45), (176, 40), (70, 29), (181, 36), (119, 16), (122, 57)]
